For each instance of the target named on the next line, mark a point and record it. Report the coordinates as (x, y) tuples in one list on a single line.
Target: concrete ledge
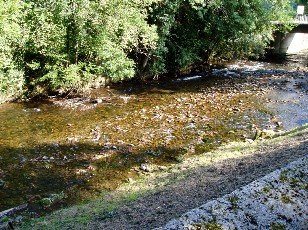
[(277, 201), (293, 42)]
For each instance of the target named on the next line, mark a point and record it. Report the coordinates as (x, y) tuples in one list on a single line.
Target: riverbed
[(62, 151)]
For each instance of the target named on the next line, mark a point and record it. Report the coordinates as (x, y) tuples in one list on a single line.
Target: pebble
[(145, 167), (2, 183), (162, 168), (250, 141), (98, 100)]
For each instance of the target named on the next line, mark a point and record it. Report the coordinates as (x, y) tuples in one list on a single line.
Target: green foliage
[(286, 199), (234, 201), (193, 32), (207, 226), (11, 82), (11, 39), (74, 42), (66, 45), (114, 62), (51, 199), (278, 226)]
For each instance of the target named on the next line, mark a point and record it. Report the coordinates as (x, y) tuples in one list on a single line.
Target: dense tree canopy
[(64, 45), (11, 41), (195, 31)]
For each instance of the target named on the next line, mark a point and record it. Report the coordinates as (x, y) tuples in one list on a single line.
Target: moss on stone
[(278, 226), (206, 226)]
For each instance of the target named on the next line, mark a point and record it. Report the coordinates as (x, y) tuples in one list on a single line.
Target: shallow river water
[(58, 152)]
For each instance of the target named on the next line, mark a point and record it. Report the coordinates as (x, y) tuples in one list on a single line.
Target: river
[(62, 151)]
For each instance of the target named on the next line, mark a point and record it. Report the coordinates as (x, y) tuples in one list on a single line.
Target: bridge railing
[(301, 19)]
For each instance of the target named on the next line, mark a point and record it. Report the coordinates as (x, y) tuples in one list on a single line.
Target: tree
[(70, 45), (74, 43), (11, 41), (196, 31)]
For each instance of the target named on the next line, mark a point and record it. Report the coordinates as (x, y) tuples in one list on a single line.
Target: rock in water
[(145, 167), (263, 134), (2, 183)]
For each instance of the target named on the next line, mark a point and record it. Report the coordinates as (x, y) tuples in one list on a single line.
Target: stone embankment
[(275, 201)]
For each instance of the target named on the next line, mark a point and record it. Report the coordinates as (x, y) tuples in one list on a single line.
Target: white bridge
[(297, 39), (301, 19), (293, 42)]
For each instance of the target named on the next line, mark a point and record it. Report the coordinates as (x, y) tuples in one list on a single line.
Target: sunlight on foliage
[(63, 46)]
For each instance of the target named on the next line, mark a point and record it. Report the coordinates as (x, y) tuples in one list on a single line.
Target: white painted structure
[(300, 10), (294, 42), (297, 40)]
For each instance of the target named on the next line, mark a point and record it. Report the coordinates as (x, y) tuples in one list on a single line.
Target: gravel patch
[(275, 201)]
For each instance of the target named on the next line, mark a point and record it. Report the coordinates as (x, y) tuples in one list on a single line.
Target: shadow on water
[(289, 61), (48, 177), (58, 152)]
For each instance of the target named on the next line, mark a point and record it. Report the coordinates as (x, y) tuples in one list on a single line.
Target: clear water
[(78, 148)]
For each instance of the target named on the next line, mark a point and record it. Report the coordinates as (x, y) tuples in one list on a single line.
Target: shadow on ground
[(200, 185)]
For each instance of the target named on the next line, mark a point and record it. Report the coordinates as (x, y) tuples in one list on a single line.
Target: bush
[(195, 32), (63, 46), (11, 75)]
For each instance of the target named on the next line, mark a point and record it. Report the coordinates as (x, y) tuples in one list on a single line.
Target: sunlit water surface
[(58, 152)]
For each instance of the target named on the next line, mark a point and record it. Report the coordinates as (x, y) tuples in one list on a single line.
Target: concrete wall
[(293, 42)]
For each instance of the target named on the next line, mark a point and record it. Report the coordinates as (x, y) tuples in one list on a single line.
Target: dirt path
[(206, 182)]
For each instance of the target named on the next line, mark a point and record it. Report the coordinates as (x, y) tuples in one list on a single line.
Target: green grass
[(278, 226), (266, 189), (104, 206), (286, 200), (207, 226), (234, 202)]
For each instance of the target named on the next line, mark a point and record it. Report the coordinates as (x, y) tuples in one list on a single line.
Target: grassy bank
[(160, 177)]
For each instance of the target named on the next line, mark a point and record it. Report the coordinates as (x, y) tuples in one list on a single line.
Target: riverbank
[(167, 192), (64, 152)]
